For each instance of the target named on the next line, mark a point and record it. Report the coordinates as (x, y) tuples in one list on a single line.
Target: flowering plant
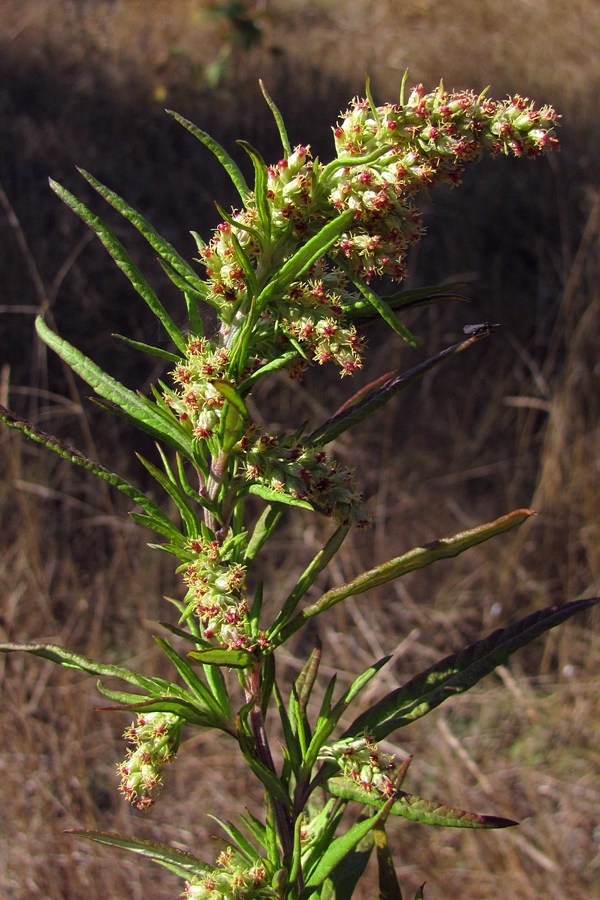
[(289, 277)]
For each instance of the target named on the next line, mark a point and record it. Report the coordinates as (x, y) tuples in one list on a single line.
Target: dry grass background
[(515, 424)]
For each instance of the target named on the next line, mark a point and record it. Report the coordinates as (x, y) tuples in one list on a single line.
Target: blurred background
[(513, 423)]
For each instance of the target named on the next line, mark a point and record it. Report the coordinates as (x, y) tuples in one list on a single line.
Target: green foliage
[(290, 277)]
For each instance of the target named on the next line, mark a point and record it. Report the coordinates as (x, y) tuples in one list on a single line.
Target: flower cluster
[(392, 152), (155, 738), (224, 270), (231, 879), (312, 312), (216, 595), (197, 401), (283, 464), (362, 762), (291, 190)]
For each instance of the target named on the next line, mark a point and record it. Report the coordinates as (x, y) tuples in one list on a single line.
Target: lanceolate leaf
[(285, 141), (458, 672), (417, 558), (127, 266), (178, 861), (138, 409), (415, 808), (222, 155), (164, 249)]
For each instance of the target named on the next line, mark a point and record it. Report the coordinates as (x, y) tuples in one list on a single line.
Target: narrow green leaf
[(328, 717), (263, 529), (260, 189), (415, 808), (233, 659), (272, 783), (178, 861), (123, 261), (458, 672), (285, 141), (218, 686), (354, 414), (164, 249), (186, 711), (306, 679), (417, 558), (408, 299), (199, 295), (238, 839), (222, 155), (316, 247), (293, 731), (227, 390), (138, 409), (372, 107)]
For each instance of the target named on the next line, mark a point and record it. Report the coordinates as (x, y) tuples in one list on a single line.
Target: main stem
[(283, 819)]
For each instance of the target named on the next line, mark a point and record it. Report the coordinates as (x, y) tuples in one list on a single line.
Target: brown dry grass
[(516, 424)]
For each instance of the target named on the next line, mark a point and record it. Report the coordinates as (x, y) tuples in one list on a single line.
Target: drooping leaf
[(154, 686), (357, 412), (458, 672), (363, 312), (155, 517)]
